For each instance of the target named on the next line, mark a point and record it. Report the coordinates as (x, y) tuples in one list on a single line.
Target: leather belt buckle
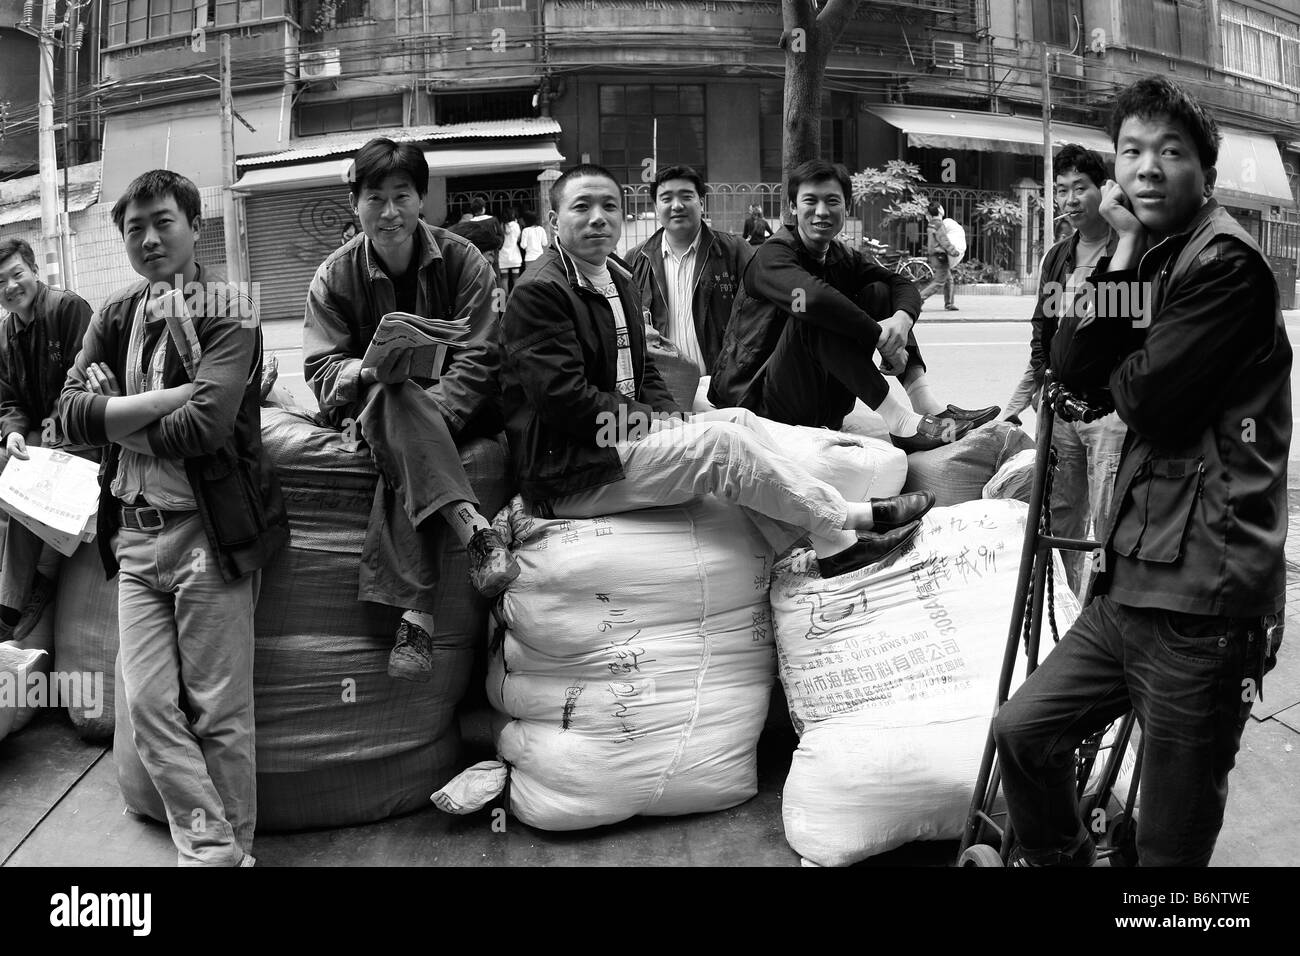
[(148, 519)]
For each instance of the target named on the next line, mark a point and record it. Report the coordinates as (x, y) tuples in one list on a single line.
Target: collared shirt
[(679, 276)]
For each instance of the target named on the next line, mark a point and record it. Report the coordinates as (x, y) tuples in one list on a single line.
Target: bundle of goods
[(958, 471), (891, 673), (338, 741)]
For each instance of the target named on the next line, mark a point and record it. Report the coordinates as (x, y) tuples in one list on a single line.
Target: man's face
[(680, 208), (388, 212), (17, 285), (819, 212), (589, 219), (1157, 166), (159, 240), (1079, 198)]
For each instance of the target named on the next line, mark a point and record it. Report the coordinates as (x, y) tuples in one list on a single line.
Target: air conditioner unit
[(948, 55), (318, 64)]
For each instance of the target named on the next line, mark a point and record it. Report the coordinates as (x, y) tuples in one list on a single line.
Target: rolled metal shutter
[(289, 235)]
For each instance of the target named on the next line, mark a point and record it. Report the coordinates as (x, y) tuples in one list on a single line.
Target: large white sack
[(857, 466), (636, 664), (891, 673)]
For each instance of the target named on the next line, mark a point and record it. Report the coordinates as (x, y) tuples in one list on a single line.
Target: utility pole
[(49, 182), (1048, 208), (234, 267)]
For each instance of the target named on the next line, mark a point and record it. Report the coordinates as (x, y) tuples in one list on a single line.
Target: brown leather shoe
[(491, 564), (869, 549), (890, 513)]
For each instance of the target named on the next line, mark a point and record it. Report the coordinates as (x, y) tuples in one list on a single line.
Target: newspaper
[(427, 340), (54, 494)]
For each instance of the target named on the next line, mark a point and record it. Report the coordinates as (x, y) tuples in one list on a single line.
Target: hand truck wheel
[(981, 854)]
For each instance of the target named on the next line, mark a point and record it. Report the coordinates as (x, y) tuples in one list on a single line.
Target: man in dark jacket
[(189, 512), (799, 345), (687, 273), (594, 431), (1087, 453), (39, 339), (484, 231), (1184, 335), (400, 263)]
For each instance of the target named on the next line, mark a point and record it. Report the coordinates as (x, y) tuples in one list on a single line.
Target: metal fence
[(499, 202)]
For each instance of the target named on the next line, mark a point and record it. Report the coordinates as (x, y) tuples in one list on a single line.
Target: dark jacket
[(559, 372), (1199, 517), (1054, 276), (350, 293), (35, 357), (756, 230), (218, 432), (719, 263), (488, 235), (783, 281)]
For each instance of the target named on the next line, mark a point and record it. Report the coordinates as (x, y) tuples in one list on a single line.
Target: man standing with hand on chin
[(1185, 338)]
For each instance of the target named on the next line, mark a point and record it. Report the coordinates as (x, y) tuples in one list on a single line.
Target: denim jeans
[(942, 280), (1087, 456), (725, 453), (1186, 677), (187, 677)]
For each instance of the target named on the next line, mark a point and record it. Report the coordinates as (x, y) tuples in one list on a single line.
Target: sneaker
[(869, 549), (932, 433), (491, 564), (43, 589), (1086, 855), (412, 656), (247, 860)]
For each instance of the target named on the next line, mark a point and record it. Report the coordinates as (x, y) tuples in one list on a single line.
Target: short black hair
[(1082, 160), (477, 205), (529, 217), (678, 172), (156, 184), (381, 158), (814, 171), (582, 169), (18, 247), (1154, 96), (934, 209)]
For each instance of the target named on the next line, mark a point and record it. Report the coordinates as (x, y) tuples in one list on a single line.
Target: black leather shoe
[(890, 513), (976, 417), (869, 549), (933, 432)]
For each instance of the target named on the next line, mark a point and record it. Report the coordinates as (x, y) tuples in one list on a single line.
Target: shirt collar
[(693, 247)]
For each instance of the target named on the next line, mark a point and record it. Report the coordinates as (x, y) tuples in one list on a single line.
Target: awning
[(463, 161), (1250, 171), (937, 128), (20, 199)]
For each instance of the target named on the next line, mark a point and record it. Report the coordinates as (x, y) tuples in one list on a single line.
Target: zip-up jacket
[(783, 282), (1201, 377), (719, 262), (35, 357), (1054, 276), (559, 373), (217, 433)]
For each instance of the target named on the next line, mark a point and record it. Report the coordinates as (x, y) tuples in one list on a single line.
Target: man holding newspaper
[(400, 344)]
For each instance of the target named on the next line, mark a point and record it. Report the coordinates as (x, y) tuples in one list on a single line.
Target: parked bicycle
[(915, 268)]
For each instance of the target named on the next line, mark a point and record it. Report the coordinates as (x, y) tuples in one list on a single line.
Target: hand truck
[(986, 841)]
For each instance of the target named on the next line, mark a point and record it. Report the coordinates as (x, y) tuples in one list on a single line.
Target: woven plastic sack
[(958, 471), (635, 664), (86, 638)]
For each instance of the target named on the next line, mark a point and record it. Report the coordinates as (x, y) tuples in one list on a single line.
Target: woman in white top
[(533, 239), (509, 258)]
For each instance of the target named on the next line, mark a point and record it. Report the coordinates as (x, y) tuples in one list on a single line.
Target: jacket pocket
[(1161, 501), (233, 500)]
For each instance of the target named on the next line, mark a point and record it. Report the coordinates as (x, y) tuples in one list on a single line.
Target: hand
[(101, 380), (895, 363), (893, 333), (16, 446), (394, 369), (1116, 209)]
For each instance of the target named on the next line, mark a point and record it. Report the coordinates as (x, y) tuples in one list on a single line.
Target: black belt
[(149, 519)]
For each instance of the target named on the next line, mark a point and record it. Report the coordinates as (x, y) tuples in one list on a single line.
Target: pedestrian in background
[(510, 259), (532, 240), (946, 245)]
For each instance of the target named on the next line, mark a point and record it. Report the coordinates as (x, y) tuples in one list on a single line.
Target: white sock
[(901, 421), (464, 519), (829, 546), (420, 619), (922, 399)]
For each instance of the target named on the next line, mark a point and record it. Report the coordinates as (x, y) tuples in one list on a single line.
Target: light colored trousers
[(187, 675), (1087, 457), (728, 454)]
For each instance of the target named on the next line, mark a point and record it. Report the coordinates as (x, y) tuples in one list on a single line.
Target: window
[(771, 106), (371, 112), (351, 11), (134, 21), (839, 136), (499, 4), (628, 136), (1260, 45), (1053, 21), (480, 106)]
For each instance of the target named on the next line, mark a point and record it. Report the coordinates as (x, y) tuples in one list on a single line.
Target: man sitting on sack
[(400, 263), (593, 430), (798, 347)]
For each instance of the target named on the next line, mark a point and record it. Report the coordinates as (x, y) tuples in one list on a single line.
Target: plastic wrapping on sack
[(856, 466), (680, 375), (636, 663), (15, 717), (338, 740), (1015, 479), (86, 637), (891, 673), (958, 471)]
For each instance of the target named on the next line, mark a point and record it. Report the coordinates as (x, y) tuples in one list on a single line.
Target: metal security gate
[(289, 235)]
